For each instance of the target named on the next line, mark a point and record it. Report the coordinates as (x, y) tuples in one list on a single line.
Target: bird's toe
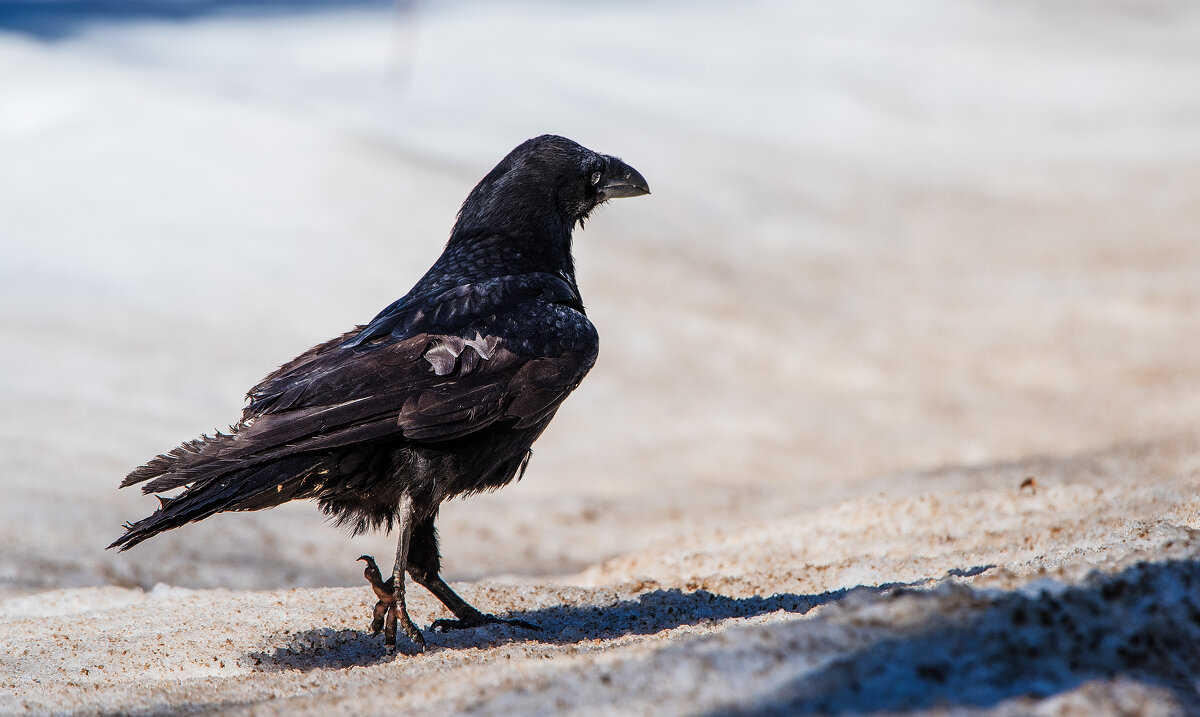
[(446, 625)]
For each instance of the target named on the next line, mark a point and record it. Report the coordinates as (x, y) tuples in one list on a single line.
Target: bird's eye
[(595, 177)]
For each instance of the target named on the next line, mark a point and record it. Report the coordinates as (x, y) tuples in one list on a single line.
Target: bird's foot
[(382, 589), (397, 614), (390, 610), (377, 617), (478, 620)]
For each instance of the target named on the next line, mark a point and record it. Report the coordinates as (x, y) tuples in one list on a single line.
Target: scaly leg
[(399, 611), (425, 566), (391, 610)]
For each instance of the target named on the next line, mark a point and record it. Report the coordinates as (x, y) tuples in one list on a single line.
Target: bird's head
[(547, 180), (583, 179)]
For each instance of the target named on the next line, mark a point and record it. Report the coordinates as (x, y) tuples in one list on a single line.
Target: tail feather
[(256, 442), (253, 488), (262, 462), (187, 455)]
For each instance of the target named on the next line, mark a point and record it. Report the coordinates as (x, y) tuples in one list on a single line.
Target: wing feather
[(336, 395)]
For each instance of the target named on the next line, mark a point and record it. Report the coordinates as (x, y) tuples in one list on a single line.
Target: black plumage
[(441, 395)]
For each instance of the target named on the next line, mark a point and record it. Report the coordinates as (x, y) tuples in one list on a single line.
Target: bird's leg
[(398, 611), (425, 566), (466, 614)]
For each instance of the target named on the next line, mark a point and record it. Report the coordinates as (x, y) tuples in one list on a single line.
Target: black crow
[(440, 395)]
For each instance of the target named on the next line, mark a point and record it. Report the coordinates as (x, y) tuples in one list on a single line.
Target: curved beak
[(622, 181)]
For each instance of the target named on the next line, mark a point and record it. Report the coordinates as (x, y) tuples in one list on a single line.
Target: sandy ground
[(899, 258)]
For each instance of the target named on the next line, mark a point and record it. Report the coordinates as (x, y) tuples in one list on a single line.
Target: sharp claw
[(418, 639)]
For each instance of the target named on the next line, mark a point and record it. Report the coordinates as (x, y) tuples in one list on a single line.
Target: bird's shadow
[(1141, 625), (648, 613)]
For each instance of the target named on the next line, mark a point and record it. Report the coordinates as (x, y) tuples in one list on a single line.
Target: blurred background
[(888, 243)]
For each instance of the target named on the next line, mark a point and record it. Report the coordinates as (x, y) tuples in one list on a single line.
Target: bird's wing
[(444, 313), (428, 387), (437, 386)]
